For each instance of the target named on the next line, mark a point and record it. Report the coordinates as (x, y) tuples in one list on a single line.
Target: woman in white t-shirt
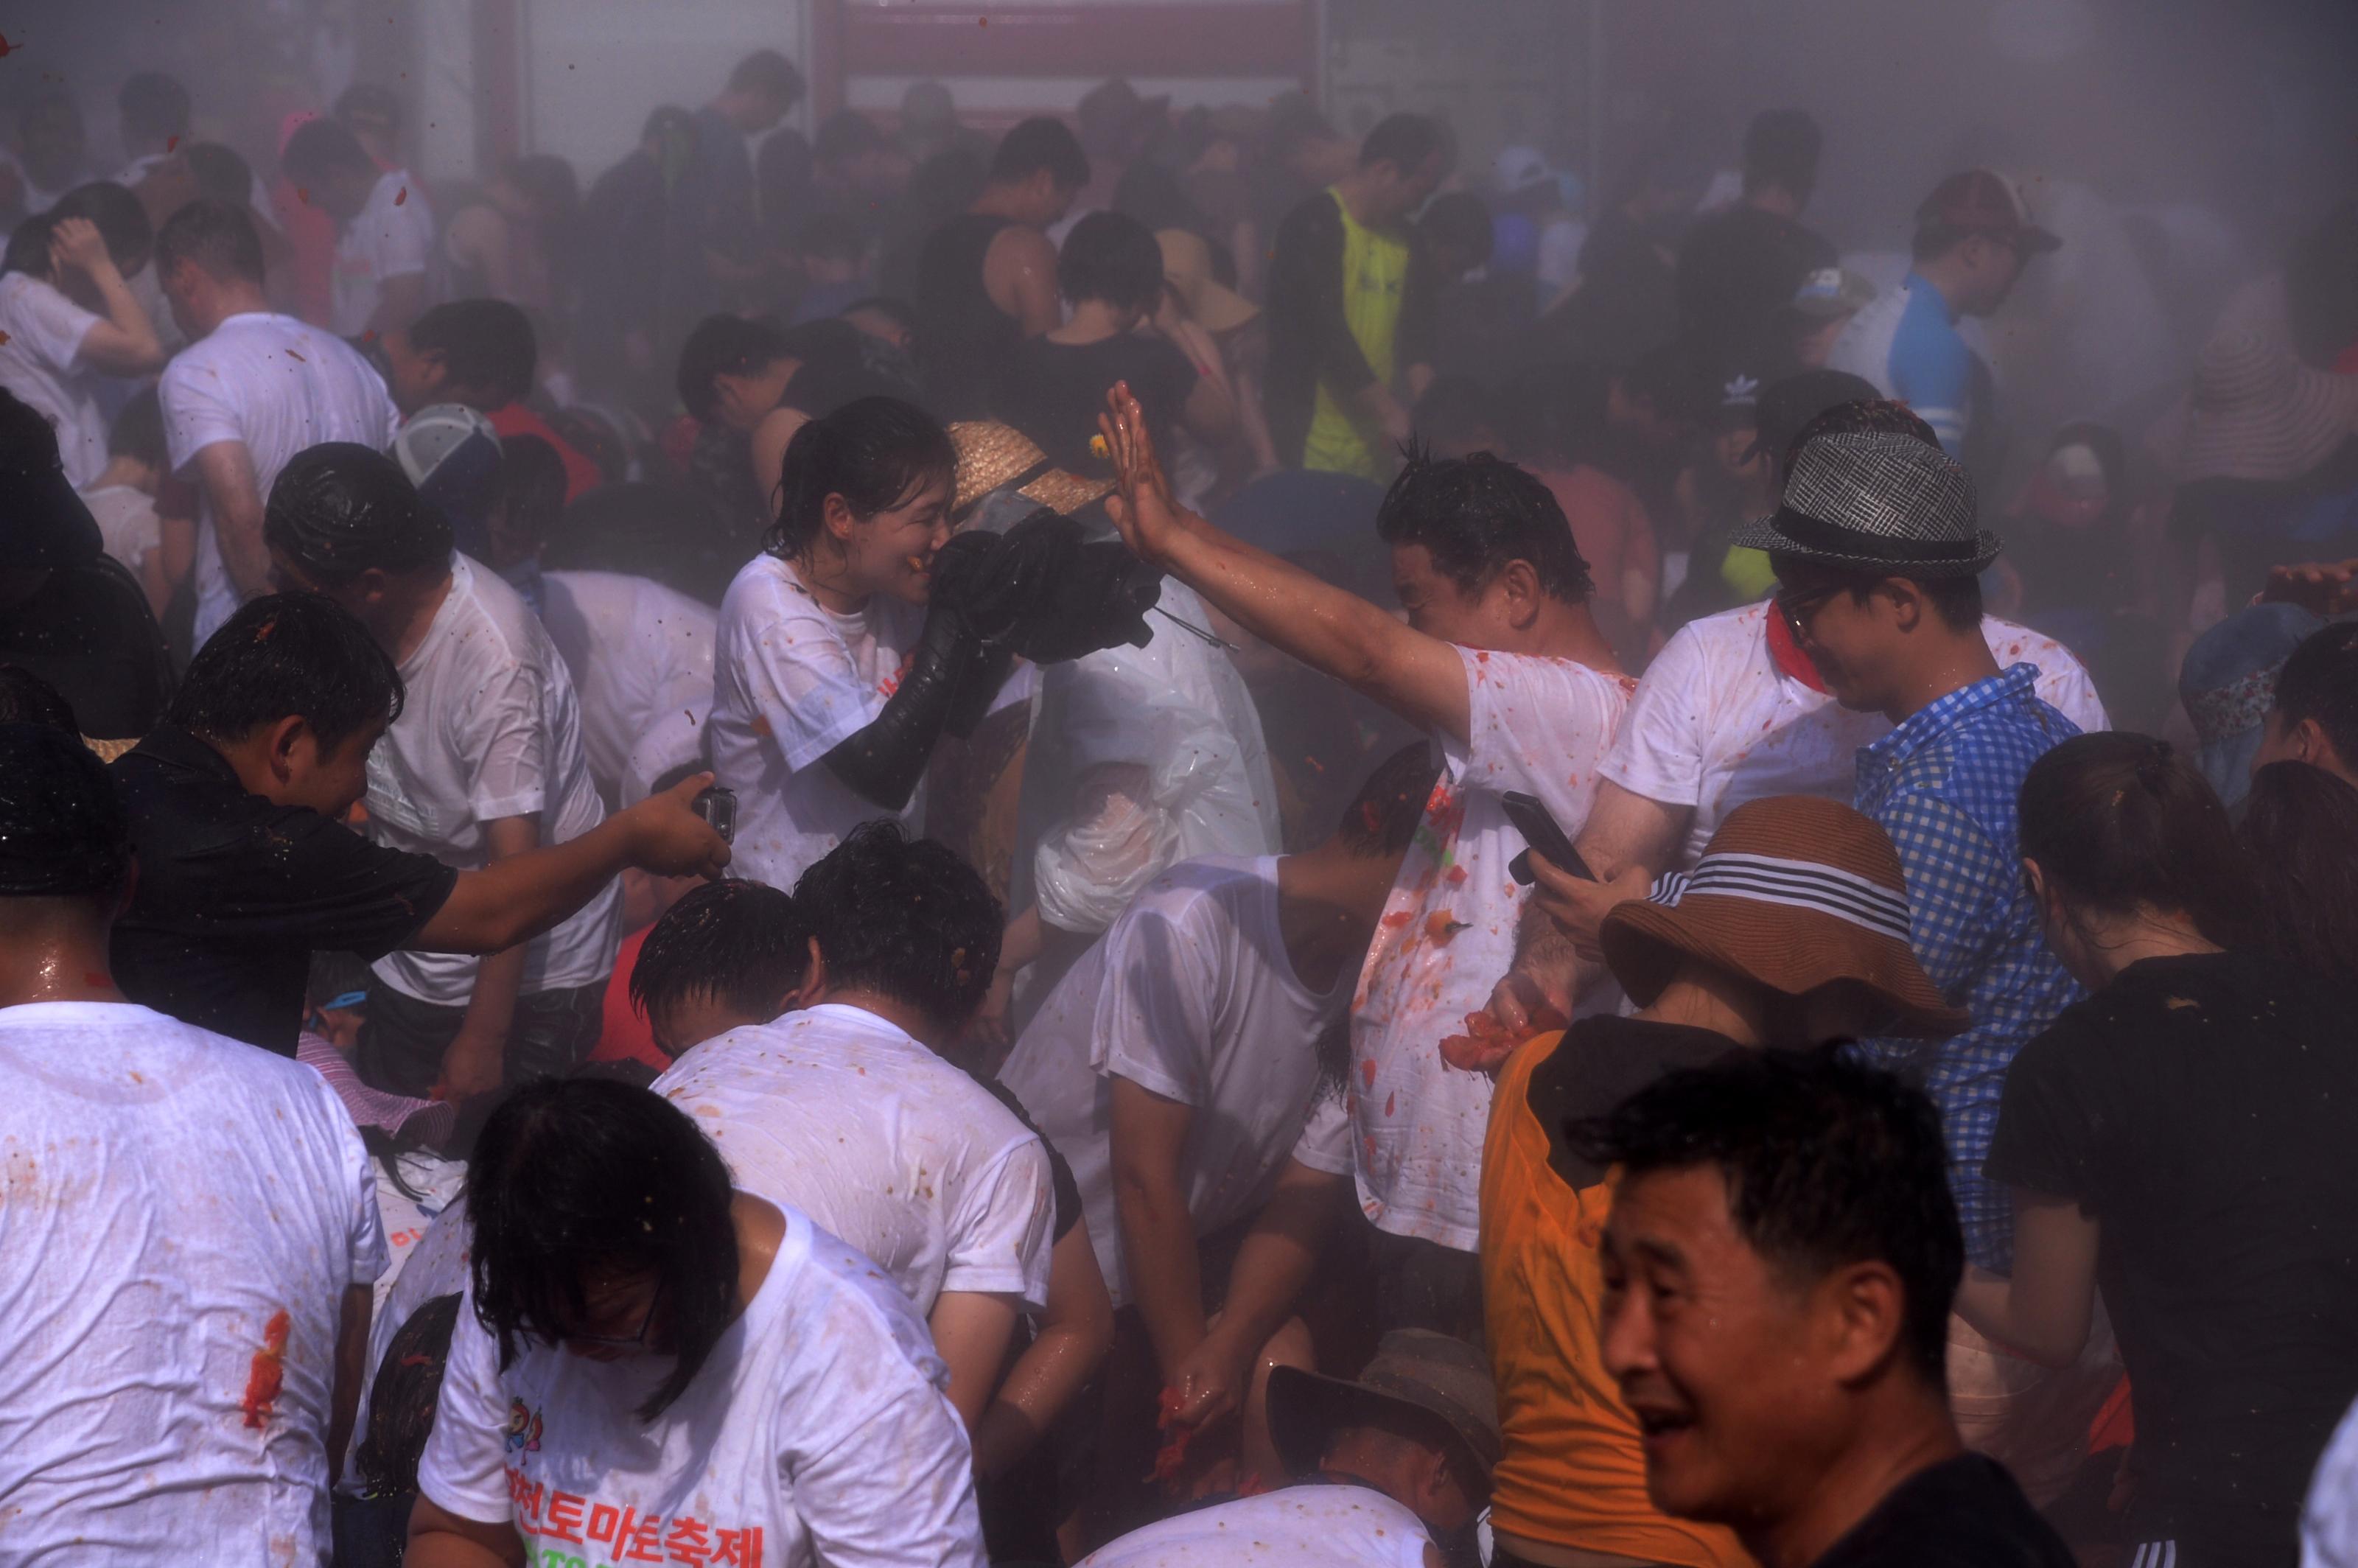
[(67, 318), (832, 684), (649, 1365)]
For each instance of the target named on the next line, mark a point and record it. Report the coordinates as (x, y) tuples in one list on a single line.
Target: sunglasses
[(1800, 607)]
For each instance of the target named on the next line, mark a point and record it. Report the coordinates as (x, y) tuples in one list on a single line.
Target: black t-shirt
[(1055, 392), (234, 893), (2204, 1110), (1736, 268), (87, 631), (1965, 1512)]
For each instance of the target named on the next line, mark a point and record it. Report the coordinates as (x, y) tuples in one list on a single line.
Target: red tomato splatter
[(4, 339), (1455, 876), (1367, 1072), (293, 355), (6, 46), (269, 1371), (368, 336), (1389, 1100), (303, 194), (401, 196), (1439, 928), (1397, 918)]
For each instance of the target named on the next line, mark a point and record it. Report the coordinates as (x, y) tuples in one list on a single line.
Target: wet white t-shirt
[(41, 333), (491, 728), (391, 237), (180, 1215), (1447, 936), (817, 1431), (835, 1112), (641, 656), (1714, 722), (1191, 996), (793, 680), (278, 386), (1314, 1525), (126, 522)]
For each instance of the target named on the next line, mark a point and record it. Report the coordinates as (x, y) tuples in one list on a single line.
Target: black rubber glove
[(884, 763)]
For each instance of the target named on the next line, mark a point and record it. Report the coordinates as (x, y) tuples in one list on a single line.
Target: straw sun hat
[(2257, 413), (991, 455), (1795, 892)]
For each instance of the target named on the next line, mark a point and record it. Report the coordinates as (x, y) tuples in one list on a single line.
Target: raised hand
[(1142, 505)]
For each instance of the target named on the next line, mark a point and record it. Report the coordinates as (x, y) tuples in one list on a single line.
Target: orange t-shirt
[(1571, 1472)]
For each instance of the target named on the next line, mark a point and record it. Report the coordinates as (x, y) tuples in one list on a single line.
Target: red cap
[(1983, 202)]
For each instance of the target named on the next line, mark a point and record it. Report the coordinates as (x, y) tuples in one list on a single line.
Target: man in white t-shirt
[(843, 1109), (484, 762), (384, 231), (641, 656), (1175, 1064), (55, 347), (189, 1231), (1500, 659), (1380, 1465), (251, 389)]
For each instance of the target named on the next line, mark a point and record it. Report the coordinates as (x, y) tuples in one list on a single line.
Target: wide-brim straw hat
[(1795, 892), (2257, 413), (991, 455)]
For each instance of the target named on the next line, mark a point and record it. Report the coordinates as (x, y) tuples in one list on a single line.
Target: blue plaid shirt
[(1943, 785)]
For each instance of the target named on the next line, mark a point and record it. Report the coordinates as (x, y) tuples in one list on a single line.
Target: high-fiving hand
[(1142, 505)]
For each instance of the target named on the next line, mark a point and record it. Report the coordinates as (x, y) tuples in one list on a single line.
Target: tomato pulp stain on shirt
[(268, 1373)]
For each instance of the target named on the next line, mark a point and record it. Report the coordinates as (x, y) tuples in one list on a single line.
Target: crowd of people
[(1164, 839)]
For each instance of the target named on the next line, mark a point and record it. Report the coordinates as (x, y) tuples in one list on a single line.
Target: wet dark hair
[(221, 172), (28, 247), (725, 345), (875, 452), (138, 430), (1040, 142), (1827, 1165), (218, 236), (484, 342), (320, 148), (533, 484), (2118, 820), (1381, 818), (122, 220), (1404, 141), (154, 106), (63, 833), (288, 655), (1114, 258), (742, 942), (2320, 683), (1478, 514), (571, 1173), (26, 698), (904, 918), (2300, 834), (769, 73), (338, 509), (403, 1399), (1781, 149)]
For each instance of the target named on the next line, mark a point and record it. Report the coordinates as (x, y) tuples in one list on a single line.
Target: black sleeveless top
[(963, 336)]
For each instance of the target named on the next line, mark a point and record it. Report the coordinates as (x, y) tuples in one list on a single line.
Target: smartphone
[(718, 807), (1538, 826)]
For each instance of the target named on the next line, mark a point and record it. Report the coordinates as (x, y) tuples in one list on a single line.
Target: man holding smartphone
[(1501, 660)]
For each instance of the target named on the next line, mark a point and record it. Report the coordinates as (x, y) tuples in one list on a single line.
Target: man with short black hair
[(1501, 660), (728, 954), (484, 764), (987, 280), (251, 389), (191, 1237), (483, 354), (70, 318), (845, 1111), (1973, 237), (1738, 267), (1350, 306), (2314, 719), (1804, 1204), (385, 233), (237, 803)]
